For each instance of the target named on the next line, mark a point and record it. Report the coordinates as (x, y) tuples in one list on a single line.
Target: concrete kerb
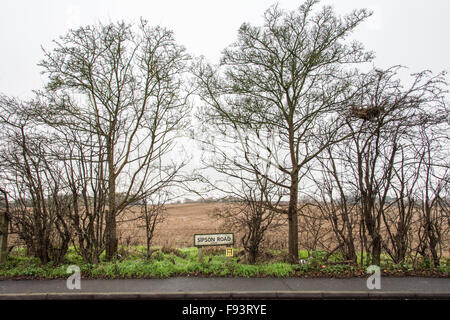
[(242, 295)]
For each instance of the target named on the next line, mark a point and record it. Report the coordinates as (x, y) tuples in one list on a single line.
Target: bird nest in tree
[(366, 113)]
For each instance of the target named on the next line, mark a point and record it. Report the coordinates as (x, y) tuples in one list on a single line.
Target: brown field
[(182, 221)]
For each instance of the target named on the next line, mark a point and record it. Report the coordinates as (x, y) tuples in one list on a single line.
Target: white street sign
[(217, 239)]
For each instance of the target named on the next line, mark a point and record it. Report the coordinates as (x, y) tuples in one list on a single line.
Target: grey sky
[(413, 33)]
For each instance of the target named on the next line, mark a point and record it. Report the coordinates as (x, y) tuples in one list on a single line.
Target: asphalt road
[(190, 287)]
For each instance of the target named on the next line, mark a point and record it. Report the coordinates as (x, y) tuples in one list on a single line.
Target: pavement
[(229, 288)]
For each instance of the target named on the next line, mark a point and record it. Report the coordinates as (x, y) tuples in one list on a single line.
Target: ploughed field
[(182, 221)]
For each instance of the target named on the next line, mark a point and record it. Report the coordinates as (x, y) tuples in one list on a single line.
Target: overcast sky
[(414, 33)]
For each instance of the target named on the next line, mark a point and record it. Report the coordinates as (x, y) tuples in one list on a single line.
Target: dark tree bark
[(4, 221)]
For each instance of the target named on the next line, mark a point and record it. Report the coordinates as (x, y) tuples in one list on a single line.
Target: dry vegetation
[(182, 221)]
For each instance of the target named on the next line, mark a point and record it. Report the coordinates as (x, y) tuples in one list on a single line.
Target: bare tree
[(152, 213), (398, 216), (39, 211), (433, 195), (336, 202), (383, 120), (284, 78), (87, 190), (251, 212), (120, 87)]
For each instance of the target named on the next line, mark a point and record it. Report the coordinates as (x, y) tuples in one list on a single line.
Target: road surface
[(228, 288)]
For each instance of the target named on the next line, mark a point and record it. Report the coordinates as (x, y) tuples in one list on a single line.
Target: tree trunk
[(376, 250), (293, 220), (110, 219), (3, 236), (349, 250), (149, 250), (111, 235), (148, 232), (433, 242), (252, 255)]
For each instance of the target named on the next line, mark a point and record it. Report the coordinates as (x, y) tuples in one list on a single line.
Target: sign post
[(200, 254), (213, 239)]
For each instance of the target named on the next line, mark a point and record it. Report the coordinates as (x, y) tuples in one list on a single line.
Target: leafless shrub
[(39, 209)]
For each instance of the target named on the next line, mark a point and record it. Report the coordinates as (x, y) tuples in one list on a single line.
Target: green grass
[(183, 262)]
